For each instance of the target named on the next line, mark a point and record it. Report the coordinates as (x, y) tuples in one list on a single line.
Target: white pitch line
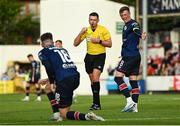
[(143, 118)]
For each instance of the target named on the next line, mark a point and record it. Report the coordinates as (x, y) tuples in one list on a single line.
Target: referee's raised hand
[(78, 39), (84, 29)]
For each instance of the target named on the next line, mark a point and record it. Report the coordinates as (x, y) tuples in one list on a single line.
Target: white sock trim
[(129, 99)]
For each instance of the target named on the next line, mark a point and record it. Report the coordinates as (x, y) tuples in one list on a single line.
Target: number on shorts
[(121, 63)]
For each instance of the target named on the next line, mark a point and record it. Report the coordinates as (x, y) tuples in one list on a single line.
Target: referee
[(97, 39)]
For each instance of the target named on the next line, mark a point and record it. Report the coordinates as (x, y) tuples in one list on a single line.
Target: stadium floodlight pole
[(145, 29)]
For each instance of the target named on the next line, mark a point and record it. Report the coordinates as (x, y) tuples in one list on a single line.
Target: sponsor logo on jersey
[(66, 66)]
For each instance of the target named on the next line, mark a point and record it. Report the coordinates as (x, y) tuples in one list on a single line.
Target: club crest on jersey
[(125, 27)]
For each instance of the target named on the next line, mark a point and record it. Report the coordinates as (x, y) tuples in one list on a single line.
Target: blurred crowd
[(167, 65), (14, 70)]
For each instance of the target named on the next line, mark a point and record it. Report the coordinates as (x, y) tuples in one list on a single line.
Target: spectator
[(170, 69), (177, 68), (167, 44), (163, 70), (5, 77), (151, 70)]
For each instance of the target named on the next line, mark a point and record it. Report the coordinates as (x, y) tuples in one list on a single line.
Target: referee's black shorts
[(94, 61), (129, 65)]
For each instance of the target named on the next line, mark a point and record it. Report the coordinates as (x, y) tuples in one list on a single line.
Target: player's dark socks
[(73, 115), (38, 91), (27, 91), (96, 89), (135, 90), (122, 86), (54, 105)]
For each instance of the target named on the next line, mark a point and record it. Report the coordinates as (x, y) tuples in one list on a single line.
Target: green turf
[(153, 109)]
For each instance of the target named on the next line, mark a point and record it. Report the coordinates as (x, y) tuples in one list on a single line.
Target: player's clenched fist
[(84, 29), (143, 36), (95, 40)]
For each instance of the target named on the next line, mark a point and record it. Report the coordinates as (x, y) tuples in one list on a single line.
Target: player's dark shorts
[(35, 81), (94, 61), (129, 65), (64, 90)]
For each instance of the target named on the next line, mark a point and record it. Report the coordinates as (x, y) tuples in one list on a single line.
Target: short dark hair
[(123, 9), (46, 36), (29, 55), (94, 14), (58, 41)]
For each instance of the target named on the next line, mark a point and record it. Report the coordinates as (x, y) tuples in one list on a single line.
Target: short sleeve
[(106, 34), (83, 36)]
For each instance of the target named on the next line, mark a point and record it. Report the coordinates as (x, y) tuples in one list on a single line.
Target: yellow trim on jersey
[(95, 49)]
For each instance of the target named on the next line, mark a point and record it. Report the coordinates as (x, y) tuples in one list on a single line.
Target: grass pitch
[(161, 109)]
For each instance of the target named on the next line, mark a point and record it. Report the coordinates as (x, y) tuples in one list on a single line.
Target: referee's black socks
[(95, 90)]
